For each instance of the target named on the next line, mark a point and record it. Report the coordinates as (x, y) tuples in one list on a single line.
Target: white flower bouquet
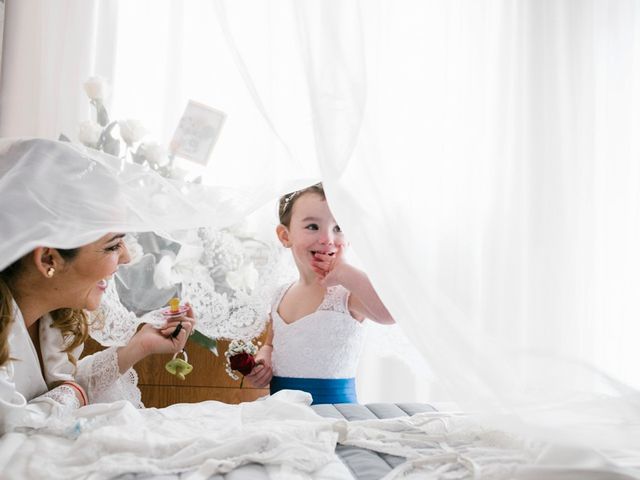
[(126, 138)]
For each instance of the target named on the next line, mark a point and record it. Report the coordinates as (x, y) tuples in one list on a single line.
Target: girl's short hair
[(285, 204)]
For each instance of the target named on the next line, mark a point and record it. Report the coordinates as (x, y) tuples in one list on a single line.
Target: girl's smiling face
[(312, 230)]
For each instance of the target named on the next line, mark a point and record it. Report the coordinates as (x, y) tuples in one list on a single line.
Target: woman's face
[(86, 275)]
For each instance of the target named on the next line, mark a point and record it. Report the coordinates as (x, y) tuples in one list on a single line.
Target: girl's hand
[(329, 268), (262, 373)]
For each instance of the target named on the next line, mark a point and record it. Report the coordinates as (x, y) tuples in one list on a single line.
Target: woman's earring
[(50, 272)]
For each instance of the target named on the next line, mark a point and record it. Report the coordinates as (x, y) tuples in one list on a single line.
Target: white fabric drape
[(50, 48), (480, 155), (493, 190)]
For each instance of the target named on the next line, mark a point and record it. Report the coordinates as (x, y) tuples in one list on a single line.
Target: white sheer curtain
[(485, 148), (480, 155), (50, 48), (493, 192), (257, 69)]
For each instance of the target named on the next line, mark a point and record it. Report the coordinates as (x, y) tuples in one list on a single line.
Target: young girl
[(316, 333)]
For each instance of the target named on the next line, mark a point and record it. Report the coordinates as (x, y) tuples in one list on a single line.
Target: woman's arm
[(103, 373)]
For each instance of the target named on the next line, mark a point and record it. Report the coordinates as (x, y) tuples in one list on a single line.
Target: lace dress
[(324, 345)]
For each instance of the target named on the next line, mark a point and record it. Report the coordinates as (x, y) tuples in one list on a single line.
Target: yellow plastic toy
[(175, 309), (174, 305)]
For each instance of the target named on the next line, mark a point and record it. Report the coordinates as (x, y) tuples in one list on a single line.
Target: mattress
[(362, 464), (365, 464)]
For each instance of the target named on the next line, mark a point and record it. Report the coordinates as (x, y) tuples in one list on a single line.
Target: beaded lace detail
[(223, 315), (220, 314), (335, 300), (325, 344)]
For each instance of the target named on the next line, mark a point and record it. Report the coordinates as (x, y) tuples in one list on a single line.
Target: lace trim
[(124, 388), (104, 371), (335, 300), (128, 384), (100, 375), (65, 396), (98, 372)]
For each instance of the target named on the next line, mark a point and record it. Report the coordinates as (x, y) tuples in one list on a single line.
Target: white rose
[(89, 133), (162, 275), (131, 130), (155, 153), (244, 278), (96, 88), (186, 262)]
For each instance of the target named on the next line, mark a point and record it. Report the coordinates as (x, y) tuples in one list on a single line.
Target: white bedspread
[(282, 432), (442, 446), (104, 440)]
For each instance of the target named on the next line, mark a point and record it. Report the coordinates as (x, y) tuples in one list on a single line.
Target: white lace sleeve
[(64, 395), (100, 376)]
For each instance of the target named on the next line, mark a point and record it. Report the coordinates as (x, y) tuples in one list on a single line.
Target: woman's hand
[(150, 340), (262, 373)]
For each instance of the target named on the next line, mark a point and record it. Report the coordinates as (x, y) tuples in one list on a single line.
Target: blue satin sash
[(323, 390)]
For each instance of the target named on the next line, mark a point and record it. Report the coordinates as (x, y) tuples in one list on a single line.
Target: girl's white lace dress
[(324, 344)]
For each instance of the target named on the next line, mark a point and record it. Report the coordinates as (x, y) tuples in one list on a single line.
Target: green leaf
[(210, 344)]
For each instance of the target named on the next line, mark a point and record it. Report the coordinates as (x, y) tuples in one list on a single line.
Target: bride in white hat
[(64, 214)]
